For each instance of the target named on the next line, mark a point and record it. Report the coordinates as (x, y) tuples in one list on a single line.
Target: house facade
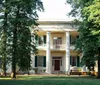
[(55, 42)]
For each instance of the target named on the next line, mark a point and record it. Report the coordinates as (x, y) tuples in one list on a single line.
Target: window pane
[(40, 61), (44, 39), (57, 41), (40, 40), (73, 61)]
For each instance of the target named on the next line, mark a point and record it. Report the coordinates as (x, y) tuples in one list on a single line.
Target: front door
[(57, 65)]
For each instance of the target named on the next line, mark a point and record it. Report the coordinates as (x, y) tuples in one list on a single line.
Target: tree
[(23, 14), (89, 30), (25, 47), (3, 43)]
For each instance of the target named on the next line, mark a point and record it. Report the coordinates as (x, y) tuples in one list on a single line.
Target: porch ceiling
[(57, 32)]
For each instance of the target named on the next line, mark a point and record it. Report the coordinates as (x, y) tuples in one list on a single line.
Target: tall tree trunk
[(4, 66), (4, 38), (14, 54), (15, 38), (4, 56), (98, 63), (98, 68)]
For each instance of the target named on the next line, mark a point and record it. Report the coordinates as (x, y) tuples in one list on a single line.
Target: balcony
[(41, 46), (72, 47), (58, 47), (55, 47)]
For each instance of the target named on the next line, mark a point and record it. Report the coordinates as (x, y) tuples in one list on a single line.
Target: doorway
[(57, 65)]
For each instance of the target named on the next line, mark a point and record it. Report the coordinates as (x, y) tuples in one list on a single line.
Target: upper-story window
[(40, 40), (73, 39), (57, 42)]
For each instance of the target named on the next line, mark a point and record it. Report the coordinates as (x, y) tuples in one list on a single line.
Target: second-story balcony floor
[(59, 47), (58, 52)]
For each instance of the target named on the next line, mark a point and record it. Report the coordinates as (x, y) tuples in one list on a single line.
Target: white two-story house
[(56, 44)]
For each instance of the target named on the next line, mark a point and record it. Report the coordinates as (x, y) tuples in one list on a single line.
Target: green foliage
[(16, 17), (89, 30), (4, 35)]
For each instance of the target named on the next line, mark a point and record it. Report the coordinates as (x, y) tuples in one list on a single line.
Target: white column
[(33, 60), (67, 66), (33, 63), (48, 54)]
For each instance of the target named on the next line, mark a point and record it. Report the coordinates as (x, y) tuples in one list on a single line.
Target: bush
[(35, 70)]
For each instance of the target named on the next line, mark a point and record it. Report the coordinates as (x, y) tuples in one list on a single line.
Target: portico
[(57, 61)]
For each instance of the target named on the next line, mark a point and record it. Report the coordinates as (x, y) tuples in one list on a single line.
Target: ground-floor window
[(40, 61), (74, 61)]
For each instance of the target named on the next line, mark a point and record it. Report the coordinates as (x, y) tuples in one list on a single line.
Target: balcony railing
[(72, 47), (58, 47), (41, 46)]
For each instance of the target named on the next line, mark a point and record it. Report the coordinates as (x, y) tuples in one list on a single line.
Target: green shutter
[(77, 36), (44, 61), (44, 39), (70, 61), (78, 61), (35, 61), (36, 38)]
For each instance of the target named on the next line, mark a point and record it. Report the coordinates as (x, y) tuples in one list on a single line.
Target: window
[(57, 41), (73, 39), (40, 39), (73, 61), (40, 61)]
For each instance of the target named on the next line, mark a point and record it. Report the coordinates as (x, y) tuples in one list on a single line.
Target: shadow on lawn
[(47, 77), (54, 77), (51, 80)]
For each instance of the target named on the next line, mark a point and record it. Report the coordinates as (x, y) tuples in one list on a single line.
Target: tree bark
[(4, 42), (98, 68), (14, 54)]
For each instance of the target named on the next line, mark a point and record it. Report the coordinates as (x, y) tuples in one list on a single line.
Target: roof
[(54, 22)]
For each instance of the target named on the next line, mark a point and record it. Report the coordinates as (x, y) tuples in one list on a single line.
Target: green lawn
[(47, 80)]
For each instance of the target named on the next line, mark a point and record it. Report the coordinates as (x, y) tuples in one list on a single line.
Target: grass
[(49, 80)]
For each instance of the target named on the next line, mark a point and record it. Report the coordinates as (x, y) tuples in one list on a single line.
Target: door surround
[(57, 62)]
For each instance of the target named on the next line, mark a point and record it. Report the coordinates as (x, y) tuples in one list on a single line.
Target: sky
[(55, 10)]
